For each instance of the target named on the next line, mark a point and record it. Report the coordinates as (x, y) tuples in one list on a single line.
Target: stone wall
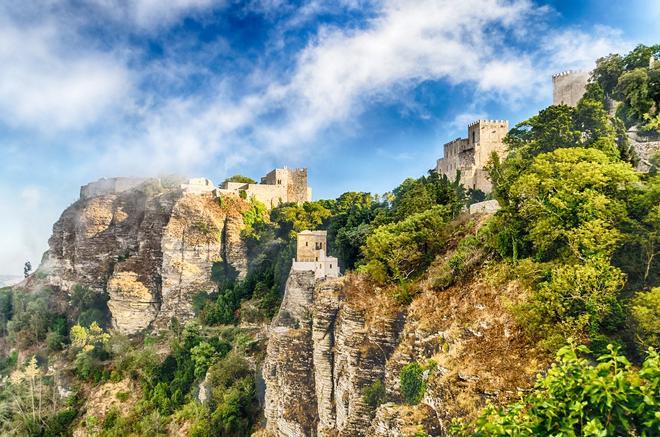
[(110, 186), (568, 87)]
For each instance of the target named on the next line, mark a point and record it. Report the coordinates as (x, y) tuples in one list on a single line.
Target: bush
[(646, 311), (374, 394), (400, 251), (574, 302), (412, 383), (577, 397), (54, 341)]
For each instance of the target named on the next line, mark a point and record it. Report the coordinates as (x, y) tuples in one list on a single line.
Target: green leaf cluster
[(578, 397)]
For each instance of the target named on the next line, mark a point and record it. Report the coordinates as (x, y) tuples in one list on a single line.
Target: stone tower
[(311, 247), (568, 87), (294, 181), (470, 155)]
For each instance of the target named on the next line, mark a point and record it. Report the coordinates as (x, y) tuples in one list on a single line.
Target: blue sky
[(363, 93)]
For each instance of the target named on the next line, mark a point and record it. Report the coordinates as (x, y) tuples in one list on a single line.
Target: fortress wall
[(297, 185), (569, 87), (269, 195), (109, 186)]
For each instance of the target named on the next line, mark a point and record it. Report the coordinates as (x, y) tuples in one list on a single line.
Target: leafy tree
[(646, 311), (573, 200), (27, 268), (399, 251), (607, 72), (576, 397), (203, 356), (374, 394), (294, 218), (239, 178)]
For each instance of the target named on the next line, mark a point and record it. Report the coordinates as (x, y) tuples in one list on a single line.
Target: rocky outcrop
[(321, 353), (147, 245), (333, 338), (645, 146)]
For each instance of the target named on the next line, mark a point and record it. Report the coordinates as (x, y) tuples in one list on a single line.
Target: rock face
[(333, 338), (321, 353), (149, 246), (645, 147)]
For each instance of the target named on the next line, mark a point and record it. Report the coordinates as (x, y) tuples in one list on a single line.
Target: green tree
[(412, 383), (573, 200), (646, 311), (399, 251), (576, 397), (239, 178)]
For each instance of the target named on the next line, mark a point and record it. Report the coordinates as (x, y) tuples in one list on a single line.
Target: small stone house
[(311, 254)]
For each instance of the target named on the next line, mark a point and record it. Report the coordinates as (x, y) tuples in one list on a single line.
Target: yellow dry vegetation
[(127, 284), (197, 219), (186, 269), (96, 216)]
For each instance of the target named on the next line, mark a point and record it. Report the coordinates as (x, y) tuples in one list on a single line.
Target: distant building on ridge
[(311, 247), (470, 155)]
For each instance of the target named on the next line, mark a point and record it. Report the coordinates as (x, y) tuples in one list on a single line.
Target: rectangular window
[(317, 258), (306, 243)]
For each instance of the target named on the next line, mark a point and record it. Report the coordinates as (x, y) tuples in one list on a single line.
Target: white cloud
[(46, 85)]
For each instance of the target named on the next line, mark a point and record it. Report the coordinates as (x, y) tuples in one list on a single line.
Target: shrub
[(400, 251), (575, 302), (412, 383), (374, 393), (578, 397), (646, 311)]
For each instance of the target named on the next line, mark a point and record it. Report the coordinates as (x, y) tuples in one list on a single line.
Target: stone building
[(106, 186), (568, 87), (198, 186), (470, 155), (279, 186), (311, 247)]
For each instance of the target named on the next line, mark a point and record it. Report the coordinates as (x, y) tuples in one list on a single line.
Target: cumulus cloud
[(45, 85)]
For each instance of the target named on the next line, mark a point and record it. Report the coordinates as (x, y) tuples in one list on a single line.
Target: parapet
[(109, 186), (567, 73), (474, 123)]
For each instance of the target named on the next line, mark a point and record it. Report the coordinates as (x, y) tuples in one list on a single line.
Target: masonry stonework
[(281, 185), (568, 87), (470, 155), (311, 254)]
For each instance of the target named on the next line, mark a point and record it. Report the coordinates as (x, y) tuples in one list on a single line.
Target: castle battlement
[(470, 155), (280, 185), (568, 87), (480, 121), (568, 72)]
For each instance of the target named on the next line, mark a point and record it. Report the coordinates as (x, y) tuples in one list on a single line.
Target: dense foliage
[(578, 397), (634, 81)]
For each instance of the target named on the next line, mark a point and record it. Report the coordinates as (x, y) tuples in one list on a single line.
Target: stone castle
[(568, 87), (281, 185), (311, 255), (470, 155)]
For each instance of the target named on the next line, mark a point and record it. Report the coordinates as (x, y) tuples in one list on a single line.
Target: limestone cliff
[(333, 338), (148, 245)]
